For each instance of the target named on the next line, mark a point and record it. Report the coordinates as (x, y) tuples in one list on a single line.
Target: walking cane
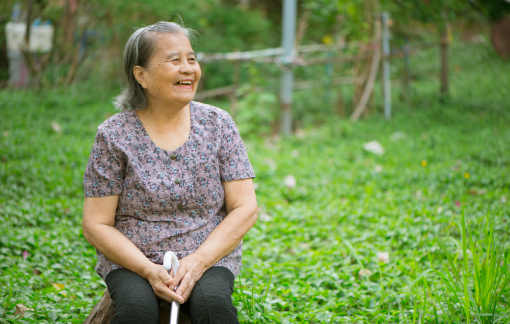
[(170, 262)]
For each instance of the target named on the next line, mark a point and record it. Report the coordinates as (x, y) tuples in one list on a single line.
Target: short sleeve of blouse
[(104, 173), (234, 162)]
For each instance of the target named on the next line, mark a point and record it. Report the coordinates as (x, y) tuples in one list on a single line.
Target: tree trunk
[(444, 58), (371, 76), (500, 37), (444, 63)]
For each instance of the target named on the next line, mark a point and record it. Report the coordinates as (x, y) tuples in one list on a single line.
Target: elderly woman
[(167, 174)]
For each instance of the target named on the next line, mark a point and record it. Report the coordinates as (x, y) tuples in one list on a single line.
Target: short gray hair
[(139, 49)]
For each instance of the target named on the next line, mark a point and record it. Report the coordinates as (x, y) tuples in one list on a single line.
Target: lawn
[(318, 251)]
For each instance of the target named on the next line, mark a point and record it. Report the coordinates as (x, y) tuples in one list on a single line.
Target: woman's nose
[(186, 69)]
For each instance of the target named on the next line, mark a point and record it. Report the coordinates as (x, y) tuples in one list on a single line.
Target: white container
[(41, 37)]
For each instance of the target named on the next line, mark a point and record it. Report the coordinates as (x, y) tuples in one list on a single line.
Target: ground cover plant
[(352, 241)]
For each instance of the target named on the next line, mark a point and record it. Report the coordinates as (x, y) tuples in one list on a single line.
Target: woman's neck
[(163, 117), (168, 129)]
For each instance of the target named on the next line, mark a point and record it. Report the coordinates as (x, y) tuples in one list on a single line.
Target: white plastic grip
[(170, 261)]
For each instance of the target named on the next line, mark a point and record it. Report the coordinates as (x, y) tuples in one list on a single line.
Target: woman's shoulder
[(117, 122), (210, 114)]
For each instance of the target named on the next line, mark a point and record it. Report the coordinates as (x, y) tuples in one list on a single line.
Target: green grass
[(305, 258)]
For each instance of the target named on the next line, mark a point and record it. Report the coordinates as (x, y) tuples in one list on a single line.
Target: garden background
[(344, 235)]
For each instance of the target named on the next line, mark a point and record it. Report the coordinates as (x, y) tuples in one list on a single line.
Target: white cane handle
[(170, 261)]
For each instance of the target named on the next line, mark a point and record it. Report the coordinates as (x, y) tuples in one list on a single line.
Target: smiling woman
[(167, 174), (171, 77), (139, 50)]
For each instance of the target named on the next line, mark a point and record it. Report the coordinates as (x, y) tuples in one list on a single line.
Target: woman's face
[(172, 75)]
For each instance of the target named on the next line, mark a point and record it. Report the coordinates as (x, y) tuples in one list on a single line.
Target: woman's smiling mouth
[(184, 84)]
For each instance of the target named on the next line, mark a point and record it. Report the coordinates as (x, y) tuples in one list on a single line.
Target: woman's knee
[(133, 298), (136, 311), (211, 301), (206, 307)]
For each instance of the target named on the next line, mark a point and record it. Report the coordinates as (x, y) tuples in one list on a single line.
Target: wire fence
[(319, 66)]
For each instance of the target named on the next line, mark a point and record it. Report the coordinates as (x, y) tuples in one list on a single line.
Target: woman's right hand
[(158, 277)]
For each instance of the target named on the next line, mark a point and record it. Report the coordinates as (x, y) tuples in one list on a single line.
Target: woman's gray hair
[(139, 49)]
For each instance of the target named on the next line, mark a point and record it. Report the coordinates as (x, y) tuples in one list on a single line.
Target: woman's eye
[(192, 59)]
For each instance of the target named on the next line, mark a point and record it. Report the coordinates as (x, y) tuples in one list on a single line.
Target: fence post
[(287, 80), (386, 64), (444, 59)]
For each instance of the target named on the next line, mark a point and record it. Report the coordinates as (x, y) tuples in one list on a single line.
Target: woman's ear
[(139, 74)]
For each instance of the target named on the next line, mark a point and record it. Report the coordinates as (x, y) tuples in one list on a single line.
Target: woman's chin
[(182, 98)]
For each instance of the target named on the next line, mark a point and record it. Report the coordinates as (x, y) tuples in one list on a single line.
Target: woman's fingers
[(186, 286), (195, 270), (175, 281), (190, 271), (162, 291), (159, 279)]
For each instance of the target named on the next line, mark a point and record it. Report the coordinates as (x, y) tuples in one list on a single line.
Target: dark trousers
[(135, 302)]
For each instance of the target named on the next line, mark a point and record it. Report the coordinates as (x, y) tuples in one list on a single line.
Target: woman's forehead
[(167, 43)]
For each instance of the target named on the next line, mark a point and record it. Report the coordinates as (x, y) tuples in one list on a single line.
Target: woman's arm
[(241, 204), (99, 230)]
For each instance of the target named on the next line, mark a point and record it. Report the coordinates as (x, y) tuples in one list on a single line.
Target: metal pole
[(386, 64), (407, 71), (288, 36), (328, 79)]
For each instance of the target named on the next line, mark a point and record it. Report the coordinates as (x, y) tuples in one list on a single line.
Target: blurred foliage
[(225, 26), (429, 11), (494, 10), (259, 113), (350, 20), (344, 19)]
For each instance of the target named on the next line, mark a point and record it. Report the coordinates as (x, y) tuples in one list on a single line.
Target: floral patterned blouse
[(168, 200)]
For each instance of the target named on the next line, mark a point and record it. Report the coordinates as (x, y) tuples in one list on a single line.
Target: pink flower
[(457, 203), (25, 255)]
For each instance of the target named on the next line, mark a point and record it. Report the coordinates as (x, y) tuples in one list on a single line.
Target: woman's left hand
[(191, 269)]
